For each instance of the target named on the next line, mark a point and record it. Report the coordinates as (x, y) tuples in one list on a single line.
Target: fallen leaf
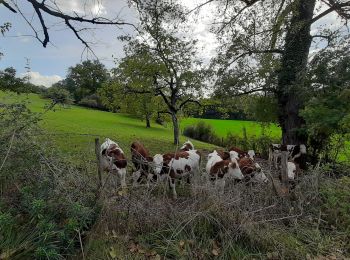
[(182, 243), (113, 253), (132, 248), (215, 252), (157, 257), (114, 234)]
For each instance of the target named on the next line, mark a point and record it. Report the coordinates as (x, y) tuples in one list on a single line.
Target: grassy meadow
[(223, 127), (74, 128)]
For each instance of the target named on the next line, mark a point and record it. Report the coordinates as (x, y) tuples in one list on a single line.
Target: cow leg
[(122, 175), (136, 176), (220, 184), (275, 159), (172, 186)]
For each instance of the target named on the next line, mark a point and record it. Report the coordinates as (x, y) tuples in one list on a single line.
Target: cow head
[(158, 163), (251, 154), (234, 170), (234, 155), (187, 146)]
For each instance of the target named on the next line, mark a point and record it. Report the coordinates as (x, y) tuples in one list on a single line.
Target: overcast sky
[(50, 64)]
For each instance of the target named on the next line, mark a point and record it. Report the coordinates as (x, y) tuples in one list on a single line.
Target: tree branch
[(43, 25), (199, 6), (333, 7), (249, 92), (189, 101), (8, 6), (41, 8)]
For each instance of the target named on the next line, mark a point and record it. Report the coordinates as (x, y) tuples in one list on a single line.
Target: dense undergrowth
[(247, 222), (46, 204)]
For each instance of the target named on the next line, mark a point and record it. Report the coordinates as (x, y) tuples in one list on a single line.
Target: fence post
[(284, 171), (98, 158)]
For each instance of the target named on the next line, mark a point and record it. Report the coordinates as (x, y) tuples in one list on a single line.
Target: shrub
[(336, 206), (92, 101), (203, 132), (58, 95), (44, 200)]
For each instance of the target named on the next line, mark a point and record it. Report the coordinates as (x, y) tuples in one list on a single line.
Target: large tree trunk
[(290, 88), (176, 128), (148, 121)]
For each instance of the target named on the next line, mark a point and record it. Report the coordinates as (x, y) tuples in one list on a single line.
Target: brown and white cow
[(113, 159), (176, 166), (187, 146), (219, 169), (141, 159), (296, 153), (241, 153), (251, 170)]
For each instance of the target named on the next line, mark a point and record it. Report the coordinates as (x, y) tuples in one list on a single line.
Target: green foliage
[(203, 132), (9, 82), (85, 79), (92, 101), (54, 200), (327, 113), (336, 207), (58, 95), (131, 90)]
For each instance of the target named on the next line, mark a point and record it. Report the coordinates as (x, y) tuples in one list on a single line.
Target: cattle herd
[(185, 163)]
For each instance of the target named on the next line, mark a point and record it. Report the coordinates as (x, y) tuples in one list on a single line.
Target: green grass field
[(74, 128), (223, 127)]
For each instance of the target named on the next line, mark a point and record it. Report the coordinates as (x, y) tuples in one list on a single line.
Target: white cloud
[(37, 79)]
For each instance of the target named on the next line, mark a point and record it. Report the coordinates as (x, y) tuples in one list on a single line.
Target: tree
[(144, 106), (4, 28), (268, 44), (58, 96), (44, 9), (9, 81), (172, 69), (85, 79), (327, 113)]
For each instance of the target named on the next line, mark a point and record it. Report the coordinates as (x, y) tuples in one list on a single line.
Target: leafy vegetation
[(46, 204)]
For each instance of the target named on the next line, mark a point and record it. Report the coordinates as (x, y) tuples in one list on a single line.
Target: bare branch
[(41, 8), (199, 6), (8, 6), (233, 19), (250, 92), (333, 7), (189, 101), (43, 25)]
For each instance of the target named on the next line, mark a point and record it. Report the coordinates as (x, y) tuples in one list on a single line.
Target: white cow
[(113, 159), (176, 166), (219, 170)]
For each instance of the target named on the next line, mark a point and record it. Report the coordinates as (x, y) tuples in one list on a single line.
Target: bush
[(336, 206), (92, 101), (58, 95), (45, 202), (203, 132)]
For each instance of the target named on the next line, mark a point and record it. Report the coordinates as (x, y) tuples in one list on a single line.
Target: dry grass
[(247, 221)]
